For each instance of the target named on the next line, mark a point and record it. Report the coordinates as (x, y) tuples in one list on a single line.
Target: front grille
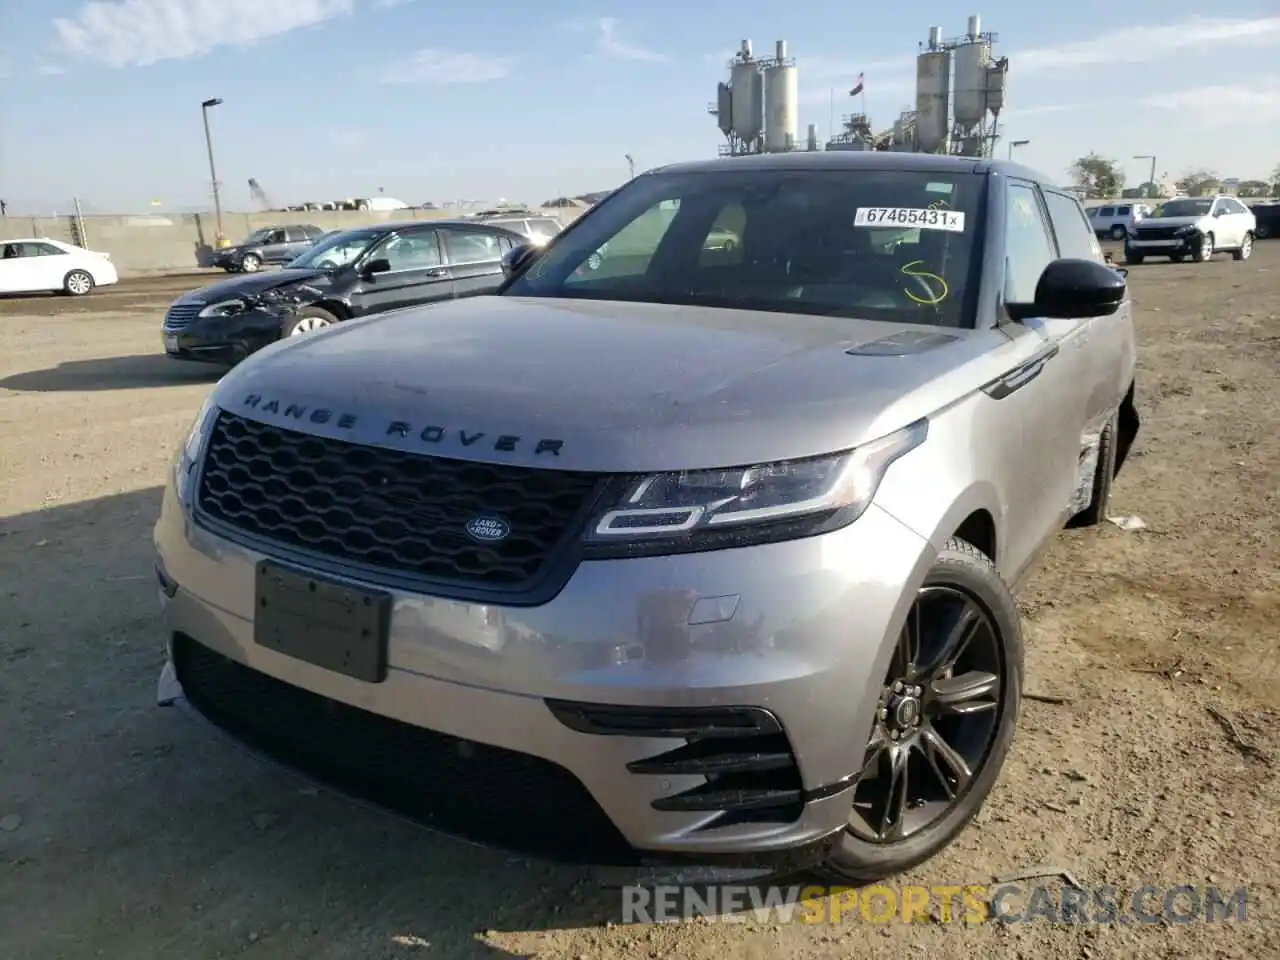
[(751, 772), (1157, 233), (181, 314), (481, 793), (387, 510)]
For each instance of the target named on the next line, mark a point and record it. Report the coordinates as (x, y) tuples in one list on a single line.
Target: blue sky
[(437, 99)]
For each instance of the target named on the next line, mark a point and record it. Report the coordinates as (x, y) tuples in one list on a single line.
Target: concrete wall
[(153, 243)]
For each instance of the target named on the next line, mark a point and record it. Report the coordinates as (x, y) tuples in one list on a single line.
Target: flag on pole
[(857, 87)]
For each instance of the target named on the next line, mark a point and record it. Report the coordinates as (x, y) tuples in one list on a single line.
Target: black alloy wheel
[(937, 717)]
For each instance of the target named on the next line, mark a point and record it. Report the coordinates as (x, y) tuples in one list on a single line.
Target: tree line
[(1103, 177)]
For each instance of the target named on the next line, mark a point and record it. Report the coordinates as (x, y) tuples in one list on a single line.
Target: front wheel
[(77, 283), (1203, 251), (308, 320), (1246, 248), (251, 263), (1104, 473), (943, 722)]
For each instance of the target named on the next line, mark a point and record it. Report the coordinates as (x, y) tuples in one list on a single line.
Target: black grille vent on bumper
[(752, 774), (481, 793), (386, 510), (180, 315), (1157, 233)]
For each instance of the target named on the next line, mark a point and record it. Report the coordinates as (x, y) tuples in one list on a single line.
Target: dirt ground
[(126, 832)]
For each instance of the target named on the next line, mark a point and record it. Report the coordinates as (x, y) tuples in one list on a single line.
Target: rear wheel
[(943, 723), (1133, 256), (77, 283), (1118, 232), (1246, 248), (1177, 257), (1263, 231)]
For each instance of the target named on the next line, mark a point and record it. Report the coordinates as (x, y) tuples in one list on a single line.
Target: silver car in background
[(677, 551)]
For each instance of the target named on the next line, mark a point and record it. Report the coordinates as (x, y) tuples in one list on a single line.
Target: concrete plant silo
[(781, 102), (933, 89), (724, 108), (972, 58), (748, 95)]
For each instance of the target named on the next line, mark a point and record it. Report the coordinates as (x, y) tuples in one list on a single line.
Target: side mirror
[(515, 259), (381, 265), (1073, 289)]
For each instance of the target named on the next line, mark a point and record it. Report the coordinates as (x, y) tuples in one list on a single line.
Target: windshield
[(258, 236), (1184, 208), (337, 250), (878, 244)]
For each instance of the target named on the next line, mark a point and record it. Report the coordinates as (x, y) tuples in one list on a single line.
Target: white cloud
[(134, 33), (1225, 105), (611, 44), (1041, 110), (441, 66), (389, 4), (47, 69), (1150, 43)]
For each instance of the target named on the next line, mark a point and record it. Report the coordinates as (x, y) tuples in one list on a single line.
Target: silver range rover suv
[(673, 552)]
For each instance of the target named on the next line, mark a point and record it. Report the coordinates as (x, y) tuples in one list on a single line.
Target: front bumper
[(558, 730), (1186, 244), (223, 339)]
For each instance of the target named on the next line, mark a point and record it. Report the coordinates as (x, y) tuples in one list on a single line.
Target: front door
[(1048, 386), (418, 273), (475, 257)]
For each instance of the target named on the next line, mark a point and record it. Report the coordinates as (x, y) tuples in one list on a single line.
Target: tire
[(1118, 233), (1177, 257), (77, 283), (1263, 231), (1103, 476), (1204, 250), (1133, 256), (251, 263), (1246, 248), (308, 320), (963, 571)]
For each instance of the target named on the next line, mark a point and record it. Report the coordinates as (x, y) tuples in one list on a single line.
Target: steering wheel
[(326, 265)]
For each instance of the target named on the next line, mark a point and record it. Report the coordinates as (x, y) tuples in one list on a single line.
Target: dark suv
[(268, 245)]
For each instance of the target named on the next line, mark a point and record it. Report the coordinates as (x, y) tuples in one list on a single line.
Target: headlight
[(832, 491), (189, 453), (224, 308), (1184, 230)]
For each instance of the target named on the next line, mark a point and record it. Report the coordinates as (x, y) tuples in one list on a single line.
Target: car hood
[(252, 283), (1169, 221), (609, 386)]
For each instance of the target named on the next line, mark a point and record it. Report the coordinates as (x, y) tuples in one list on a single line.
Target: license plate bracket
[(170, 343), (322, 622)]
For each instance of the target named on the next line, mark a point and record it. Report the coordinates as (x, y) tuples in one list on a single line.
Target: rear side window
[(1074, 233), (1107, 212), (1028, 248), (469, 247)]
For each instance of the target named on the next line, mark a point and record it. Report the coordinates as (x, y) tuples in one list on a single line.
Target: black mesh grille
[(1157, 233), (385, 509), (481, 793)]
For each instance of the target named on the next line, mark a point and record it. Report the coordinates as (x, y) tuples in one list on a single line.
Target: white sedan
[(35, 266)]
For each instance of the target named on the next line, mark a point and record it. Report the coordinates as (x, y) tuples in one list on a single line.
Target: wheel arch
[(1128, 423), (337, 307)]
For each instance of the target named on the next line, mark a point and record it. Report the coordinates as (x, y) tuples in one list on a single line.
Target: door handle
[(438, 272)]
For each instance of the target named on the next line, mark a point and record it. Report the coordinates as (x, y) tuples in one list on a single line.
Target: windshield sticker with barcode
[(920, 218)]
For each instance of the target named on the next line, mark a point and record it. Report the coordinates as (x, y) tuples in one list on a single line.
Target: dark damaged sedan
[(351, 274)]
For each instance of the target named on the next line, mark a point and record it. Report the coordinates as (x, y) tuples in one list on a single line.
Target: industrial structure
[(960, 91)]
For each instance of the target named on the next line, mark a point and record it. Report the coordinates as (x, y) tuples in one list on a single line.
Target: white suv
[(1195, 227), (1114, 220)]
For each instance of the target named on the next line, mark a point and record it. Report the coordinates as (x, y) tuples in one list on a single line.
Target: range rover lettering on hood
[(429, 433)]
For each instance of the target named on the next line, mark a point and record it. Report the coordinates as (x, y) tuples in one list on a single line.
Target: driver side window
[(1028, 247), (412, 251)]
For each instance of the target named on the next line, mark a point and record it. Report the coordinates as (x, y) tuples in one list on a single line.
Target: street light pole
[(631, 165), (1016, 143), (213, 173), (1151, 183)]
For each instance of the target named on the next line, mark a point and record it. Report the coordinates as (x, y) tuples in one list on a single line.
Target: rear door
[(418, 273), (296, 242), (475, 259)]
